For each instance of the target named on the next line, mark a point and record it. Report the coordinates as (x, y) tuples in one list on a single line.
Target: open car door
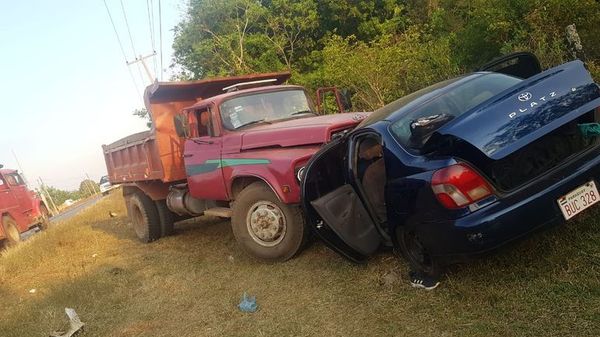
[(522, 65), (332, 206)]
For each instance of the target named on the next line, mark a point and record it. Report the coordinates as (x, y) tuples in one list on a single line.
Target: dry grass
[(187, 285)]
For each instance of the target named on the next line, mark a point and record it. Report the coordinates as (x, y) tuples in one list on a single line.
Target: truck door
[(20, 192), (8, 201), (202, 156)]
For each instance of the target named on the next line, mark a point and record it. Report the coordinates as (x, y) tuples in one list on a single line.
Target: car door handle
[(187, 155)]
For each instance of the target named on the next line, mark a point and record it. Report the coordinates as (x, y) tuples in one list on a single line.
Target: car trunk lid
[(526, 112), (526, 131)]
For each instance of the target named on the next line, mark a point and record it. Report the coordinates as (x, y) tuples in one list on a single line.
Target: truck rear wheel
[(11, 231), (144, 217), (265, 227), (167, 218)]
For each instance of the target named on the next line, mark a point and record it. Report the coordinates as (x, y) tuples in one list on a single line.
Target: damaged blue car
[(461, 167)]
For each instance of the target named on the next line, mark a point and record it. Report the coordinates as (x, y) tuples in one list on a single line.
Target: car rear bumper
[(505, 220)]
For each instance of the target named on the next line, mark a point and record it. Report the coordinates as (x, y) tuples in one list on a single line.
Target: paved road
[(63, 216), (75, 209)]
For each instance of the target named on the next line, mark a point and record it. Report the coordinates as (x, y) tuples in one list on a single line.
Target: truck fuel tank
[(181, 202)]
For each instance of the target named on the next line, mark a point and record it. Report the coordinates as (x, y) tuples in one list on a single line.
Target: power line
[(150, 8), (137, 89), (131, 40), (128, 30), (160, 37)]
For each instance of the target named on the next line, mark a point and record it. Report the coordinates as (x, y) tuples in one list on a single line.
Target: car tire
[(144, 217), (167, 218), (11, 231), (265, 227), (416, 254)]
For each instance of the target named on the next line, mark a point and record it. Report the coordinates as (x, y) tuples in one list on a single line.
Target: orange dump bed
[(157, 154)]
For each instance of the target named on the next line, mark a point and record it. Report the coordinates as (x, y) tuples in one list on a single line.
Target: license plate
[(578, 199)]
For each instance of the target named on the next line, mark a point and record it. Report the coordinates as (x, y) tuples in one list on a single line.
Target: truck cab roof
[(163, 92), (7, 171)]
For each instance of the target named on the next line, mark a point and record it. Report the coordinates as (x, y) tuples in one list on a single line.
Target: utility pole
[(93, 185), (87, 187), (19, 165), (44, 190), (142, 60)]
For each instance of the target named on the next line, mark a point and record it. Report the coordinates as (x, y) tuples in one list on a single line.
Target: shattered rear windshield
[(413, 128)]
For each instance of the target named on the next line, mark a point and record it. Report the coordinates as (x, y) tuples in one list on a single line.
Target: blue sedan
[(461, 167)]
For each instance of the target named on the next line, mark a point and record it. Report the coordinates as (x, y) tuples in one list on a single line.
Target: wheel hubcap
[(13, 233), (266, 223), (137, 220)]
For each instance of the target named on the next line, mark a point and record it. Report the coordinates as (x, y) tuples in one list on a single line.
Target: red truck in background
[(20, 208), (232, 147)]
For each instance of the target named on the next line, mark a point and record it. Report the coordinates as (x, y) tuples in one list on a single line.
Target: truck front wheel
[(144, 217), (11, 231), (265, 227)]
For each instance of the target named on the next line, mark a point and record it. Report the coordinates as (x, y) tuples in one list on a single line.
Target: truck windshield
[(265, 107)]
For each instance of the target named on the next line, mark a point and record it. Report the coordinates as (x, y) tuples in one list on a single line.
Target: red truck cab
[(20, 208), (231, 147)]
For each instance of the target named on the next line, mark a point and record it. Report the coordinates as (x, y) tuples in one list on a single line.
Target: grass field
[(189, 285)]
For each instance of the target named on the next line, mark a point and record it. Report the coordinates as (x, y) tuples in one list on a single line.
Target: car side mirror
[(181, 125), (346, 99)]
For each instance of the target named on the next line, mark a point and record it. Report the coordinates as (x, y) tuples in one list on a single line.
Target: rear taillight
[(459, 185)]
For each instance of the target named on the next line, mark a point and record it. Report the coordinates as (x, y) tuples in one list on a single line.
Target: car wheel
[(416, 254), (11, 231), (167, 218), (265, 227), (44, 217), (144, 217)]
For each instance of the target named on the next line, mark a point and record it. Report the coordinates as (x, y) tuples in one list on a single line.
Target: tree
[(290, 26), (144, 114), (222, 37), (60, 196), (381, 49), (88, 187)]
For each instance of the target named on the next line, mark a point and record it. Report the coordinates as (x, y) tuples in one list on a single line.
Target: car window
[(103, 180), (3, 185), (450, 105)]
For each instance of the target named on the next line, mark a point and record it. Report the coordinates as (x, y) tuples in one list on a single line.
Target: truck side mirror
[(346, 99), (181, 125)]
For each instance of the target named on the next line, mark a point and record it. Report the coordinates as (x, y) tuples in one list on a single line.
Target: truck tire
[(11, 231), (144, 217), (167, 218), (265, 227), (44, 217)]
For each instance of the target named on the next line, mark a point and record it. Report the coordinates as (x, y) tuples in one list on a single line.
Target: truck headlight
[(300, 173)]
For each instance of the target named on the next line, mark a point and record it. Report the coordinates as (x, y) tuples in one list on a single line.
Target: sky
[(65, 88)]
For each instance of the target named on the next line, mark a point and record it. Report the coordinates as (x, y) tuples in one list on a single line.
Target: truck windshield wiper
[(302, 112), (202, 142), (255, 122)]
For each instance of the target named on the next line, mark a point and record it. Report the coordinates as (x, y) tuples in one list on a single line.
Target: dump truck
[(232, 147), (21, 209)]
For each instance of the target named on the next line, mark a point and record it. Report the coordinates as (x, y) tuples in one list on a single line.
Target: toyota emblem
[(524, 97)]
